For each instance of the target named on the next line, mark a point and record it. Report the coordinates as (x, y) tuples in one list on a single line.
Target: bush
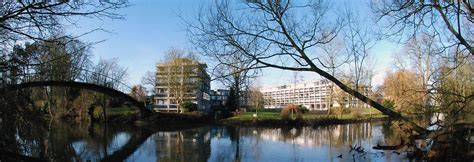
[(389, 104), (188, 106), (346, 110), (303, 109), (335, 110), (291, 112), (357, 113)]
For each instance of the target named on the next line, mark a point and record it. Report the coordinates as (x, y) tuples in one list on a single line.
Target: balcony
[(161, 106), (161, 95)]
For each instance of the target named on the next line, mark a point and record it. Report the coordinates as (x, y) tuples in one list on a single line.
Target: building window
[(161, 102)]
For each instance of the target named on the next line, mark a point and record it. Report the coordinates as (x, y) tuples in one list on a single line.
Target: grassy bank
[(130, 115), (264, 118), (174, 119), (274, 119)]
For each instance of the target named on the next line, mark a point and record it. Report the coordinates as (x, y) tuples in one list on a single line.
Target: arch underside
[(81, 85)]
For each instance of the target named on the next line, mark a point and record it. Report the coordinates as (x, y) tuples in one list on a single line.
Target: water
[(62, 142)]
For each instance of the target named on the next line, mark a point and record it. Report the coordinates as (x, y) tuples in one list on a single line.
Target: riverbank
[(126, 115), (167, 119), (273, 119), (267, 119)]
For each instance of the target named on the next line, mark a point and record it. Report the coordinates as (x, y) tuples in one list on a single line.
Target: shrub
[(389, 104), (357, 113), (189, 106), (335, 110), (303, 109), (291, 112), (346, 110)]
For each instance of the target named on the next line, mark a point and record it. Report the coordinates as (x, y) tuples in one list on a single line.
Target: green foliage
[(248, 116), (113, 111), (232, 100), (120, 111), (346, 110), (189, 106), (303, 109), (389, 104)]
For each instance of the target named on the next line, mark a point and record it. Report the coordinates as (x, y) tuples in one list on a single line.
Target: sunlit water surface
[(214, 143)]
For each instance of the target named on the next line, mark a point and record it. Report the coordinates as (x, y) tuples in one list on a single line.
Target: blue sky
[(151, 27)]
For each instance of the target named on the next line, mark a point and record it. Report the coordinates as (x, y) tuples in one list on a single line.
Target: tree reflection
[(64, 142), (183, 145), (59, 141)]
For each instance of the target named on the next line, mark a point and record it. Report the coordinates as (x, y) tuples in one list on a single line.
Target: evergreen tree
[(232, 100)]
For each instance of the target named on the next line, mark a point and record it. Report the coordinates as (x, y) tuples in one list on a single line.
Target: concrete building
[(219, 98), (314, 95), (189, 75)]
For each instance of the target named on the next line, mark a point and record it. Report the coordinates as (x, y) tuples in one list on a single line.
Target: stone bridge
[(81, 85)]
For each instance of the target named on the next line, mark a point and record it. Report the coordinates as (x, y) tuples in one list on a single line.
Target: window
[(161, 102), (162, 106)]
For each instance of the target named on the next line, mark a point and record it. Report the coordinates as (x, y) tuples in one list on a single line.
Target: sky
[(151, 27)]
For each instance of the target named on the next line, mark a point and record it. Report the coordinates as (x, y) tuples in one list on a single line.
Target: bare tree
[(403, 88), (271, 34), (450, 21), (435, 70), (138, 92), (45, 21), (359, 41), (232, 72), (180, 71), (49, 61), (149, 82), (439, 37), (37, 20), (255, 96), (107, 72), (333, 59), (422, 53)]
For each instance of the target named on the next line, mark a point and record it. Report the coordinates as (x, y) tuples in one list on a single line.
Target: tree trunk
[(369, 101)]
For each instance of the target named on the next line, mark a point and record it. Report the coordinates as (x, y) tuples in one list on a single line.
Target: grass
[(371, 110), (124, 110), (248, 116), (114, 111)]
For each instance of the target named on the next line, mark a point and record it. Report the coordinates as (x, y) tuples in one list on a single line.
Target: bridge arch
[(89, 86)]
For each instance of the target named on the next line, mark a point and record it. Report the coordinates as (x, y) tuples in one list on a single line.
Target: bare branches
[(272, 34), (450, 21), (38, 20)]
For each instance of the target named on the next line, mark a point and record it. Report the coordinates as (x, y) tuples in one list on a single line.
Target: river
[(67, 142)]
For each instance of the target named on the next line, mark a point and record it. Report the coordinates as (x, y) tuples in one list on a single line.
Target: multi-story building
[(219, 97), (184, 80), (314, 95)]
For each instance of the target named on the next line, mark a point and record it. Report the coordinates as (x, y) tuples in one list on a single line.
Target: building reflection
[(183, 145), (205, 143), (262, 144), (307, 136)]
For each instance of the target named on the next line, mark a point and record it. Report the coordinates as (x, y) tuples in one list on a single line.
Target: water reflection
[(61, 142), (304, 144)]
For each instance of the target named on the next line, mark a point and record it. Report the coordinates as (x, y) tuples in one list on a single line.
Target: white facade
[(314, 95)]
